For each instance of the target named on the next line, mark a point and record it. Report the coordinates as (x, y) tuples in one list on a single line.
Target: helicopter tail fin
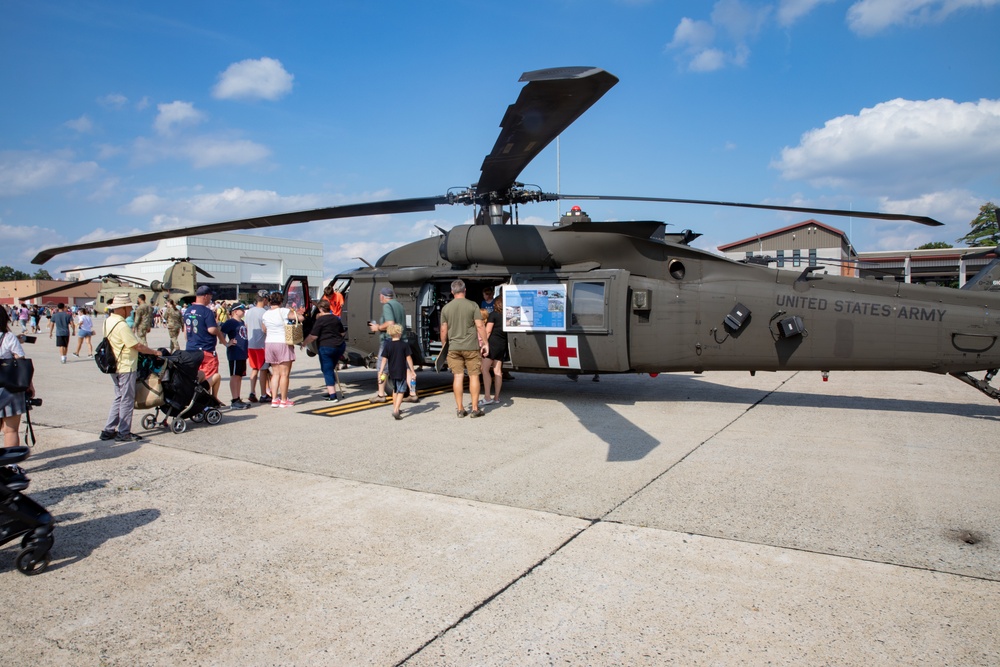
[(987, 280)]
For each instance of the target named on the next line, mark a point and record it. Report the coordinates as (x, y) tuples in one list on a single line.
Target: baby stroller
[(183, 396), (20, 516)]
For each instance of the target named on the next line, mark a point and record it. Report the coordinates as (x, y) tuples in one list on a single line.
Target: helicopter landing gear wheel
[(27, 563), (213, 417), (178, 425), (148, 422)]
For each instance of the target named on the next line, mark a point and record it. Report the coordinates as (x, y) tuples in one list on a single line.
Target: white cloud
[(228, 204), (83, 124), (868, 17), (106, 151), (691, 34), (22, 172), (201, 151), (144, 204), (697, 40), (739, 19), (264, 79), (707, 60), (17, 233), (113, 101), (902, 147), (956, 208), (207, 152), (790, 11), (176, 114)]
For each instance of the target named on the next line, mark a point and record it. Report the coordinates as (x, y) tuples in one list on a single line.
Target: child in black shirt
[(398, 362)]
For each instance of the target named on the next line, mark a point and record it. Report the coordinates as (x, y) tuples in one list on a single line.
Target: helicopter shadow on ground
[(592, 403), (76, 541)]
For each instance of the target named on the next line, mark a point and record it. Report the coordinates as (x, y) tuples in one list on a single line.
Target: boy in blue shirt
[(237, 346)]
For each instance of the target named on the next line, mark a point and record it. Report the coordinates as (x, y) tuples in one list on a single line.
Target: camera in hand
[(33, 402), (29, 339)]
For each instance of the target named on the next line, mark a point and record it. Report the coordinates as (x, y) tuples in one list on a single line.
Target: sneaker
[(332, 398), (477, 413), (252, 397), (397, 416), (62, 360), (109, 435), (75, 354), (411, 399), (486, 401), (237, 404), (287, 404), (276, 404), (265, 398), (378, 399), (131, 437)]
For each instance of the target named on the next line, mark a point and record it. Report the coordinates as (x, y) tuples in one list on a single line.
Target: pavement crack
[(500, 591)]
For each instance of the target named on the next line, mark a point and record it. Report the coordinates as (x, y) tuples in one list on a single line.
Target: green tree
[(984, 228), (42, 274), (935, 245), (10, 273)]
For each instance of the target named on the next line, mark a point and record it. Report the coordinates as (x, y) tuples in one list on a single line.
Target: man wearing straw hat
[(126, 348)]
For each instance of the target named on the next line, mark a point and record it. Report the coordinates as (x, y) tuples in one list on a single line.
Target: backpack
[(104, 355)]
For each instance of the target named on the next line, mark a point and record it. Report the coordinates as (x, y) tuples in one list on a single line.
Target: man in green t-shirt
[(392, 313), (463, 331)]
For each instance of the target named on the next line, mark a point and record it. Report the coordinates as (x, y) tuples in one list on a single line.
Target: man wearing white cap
[(126, 348)]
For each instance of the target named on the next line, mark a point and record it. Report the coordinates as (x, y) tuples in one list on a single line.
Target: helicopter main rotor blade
[(61, 288), (331, 213), (547, 105), (922, 219)]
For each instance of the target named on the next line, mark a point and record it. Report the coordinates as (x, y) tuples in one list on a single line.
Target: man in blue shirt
[(203, 333), (62, 323), (237, 352)]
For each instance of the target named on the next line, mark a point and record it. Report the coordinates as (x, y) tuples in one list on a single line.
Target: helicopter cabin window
[(781, 258), (588, 305), (796, 258)]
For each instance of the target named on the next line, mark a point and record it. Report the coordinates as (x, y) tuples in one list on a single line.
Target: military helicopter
[(179, 283), (627, 297)]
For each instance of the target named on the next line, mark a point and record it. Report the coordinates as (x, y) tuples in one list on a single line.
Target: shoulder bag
[(16, 374)]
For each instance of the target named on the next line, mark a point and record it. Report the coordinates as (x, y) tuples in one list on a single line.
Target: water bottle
[(413, 387)]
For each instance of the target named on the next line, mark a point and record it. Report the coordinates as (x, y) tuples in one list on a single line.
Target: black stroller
[(183, 396), (20, 516)]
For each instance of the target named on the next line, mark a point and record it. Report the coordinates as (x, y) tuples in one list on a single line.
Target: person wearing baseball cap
[(392, 313), (235, 331), (202, 331)]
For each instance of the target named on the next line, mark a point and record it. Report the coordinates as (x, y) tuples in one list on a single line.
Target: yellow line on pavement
[(346, 408)]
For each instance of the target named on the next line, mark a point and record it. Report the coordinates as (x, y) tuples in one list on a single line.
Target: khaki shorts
[(465, 360)]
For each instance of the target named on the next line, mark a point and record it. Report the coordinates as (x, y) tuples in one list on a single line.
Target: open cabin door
[(296, 293), (566, 322)]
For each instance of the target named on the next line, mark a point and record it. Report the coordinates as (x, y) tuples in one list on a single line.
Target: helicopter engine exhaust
[(500, 245)]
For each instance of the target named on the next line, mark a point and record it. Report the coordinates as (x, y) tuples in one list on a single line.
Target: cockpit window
[(588, 305)]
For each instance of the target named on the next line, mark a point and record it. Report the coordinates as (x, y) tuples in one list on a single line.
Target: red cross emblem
[(562, 351)]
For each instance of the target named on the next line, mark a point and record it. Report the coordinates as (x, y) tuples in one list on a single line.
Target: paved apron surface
[(715, 519)]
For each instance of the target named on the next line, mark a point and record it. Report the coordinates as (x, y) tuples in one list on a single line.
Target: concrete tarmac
[(721, 519)]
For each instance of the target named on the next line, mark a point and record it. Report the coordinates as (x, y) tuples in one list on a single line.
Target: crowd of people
[(256, 345)]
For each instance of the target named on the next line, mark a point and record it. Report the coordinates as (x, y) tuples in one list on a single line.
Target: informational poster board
[(534, 307)]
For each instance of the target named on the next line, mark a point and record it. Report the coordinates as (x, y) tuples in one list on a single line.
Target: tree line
[(984, 233), (10, 273)]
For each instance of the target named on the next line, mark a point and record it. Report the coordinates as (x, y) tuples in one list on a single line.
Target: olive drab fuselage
[(654, 305)]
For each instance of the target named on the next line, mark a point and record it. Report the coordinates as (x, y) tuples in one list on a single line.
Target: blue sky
[(123, 117)]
